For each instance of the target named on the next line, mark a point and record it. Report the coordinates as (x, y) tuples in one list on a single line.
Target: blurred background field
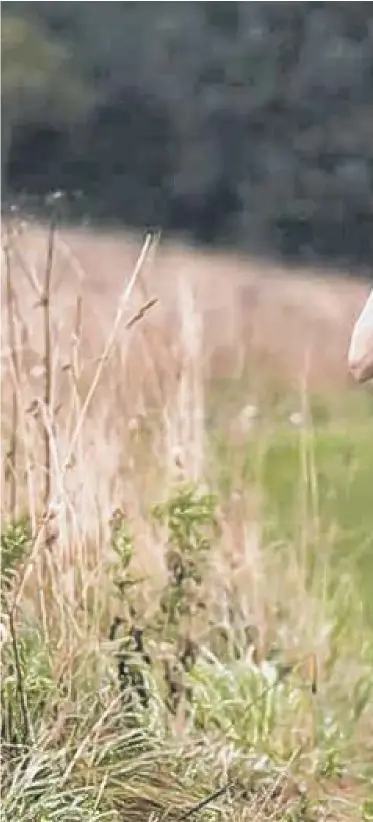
[(246, 125), (187, 520)]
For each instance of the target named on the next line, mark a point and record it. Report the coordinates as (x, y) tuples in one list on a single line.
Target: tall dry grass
[(109, 365)]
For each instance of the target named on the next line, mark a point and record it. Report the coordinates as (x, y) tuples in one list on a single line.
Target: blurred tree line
[(238, 123)]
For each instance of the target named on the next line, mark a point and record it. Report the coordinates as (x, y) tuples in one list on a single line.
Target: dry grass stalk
[(13, 449), (46, 305), (123, 302)]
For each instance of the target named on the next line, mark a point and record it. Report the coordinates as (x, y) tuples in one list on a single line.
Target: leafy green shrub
[(15, 545), (191, 526)]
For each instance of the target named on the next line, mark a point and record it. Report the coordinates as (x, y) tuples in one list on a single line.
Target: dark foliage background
[(244, 124)]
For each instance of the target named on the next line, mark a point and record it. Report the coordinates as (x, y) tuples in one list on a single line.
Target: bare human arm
[(360, 355)]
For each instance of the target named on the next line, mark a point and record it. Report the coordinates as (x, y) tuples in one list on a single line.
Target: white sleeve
[(360, 355)]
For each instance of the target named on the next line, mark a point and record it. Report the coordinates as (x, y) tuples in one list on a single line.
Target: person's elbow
[(361, 366)]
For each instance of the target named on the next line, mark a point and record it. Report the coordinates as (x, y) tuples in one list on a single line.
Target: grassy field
[(187, 538)]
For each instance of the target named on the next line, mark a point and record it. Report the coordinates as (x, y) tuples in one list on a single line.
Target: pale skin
[(360, 355)]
